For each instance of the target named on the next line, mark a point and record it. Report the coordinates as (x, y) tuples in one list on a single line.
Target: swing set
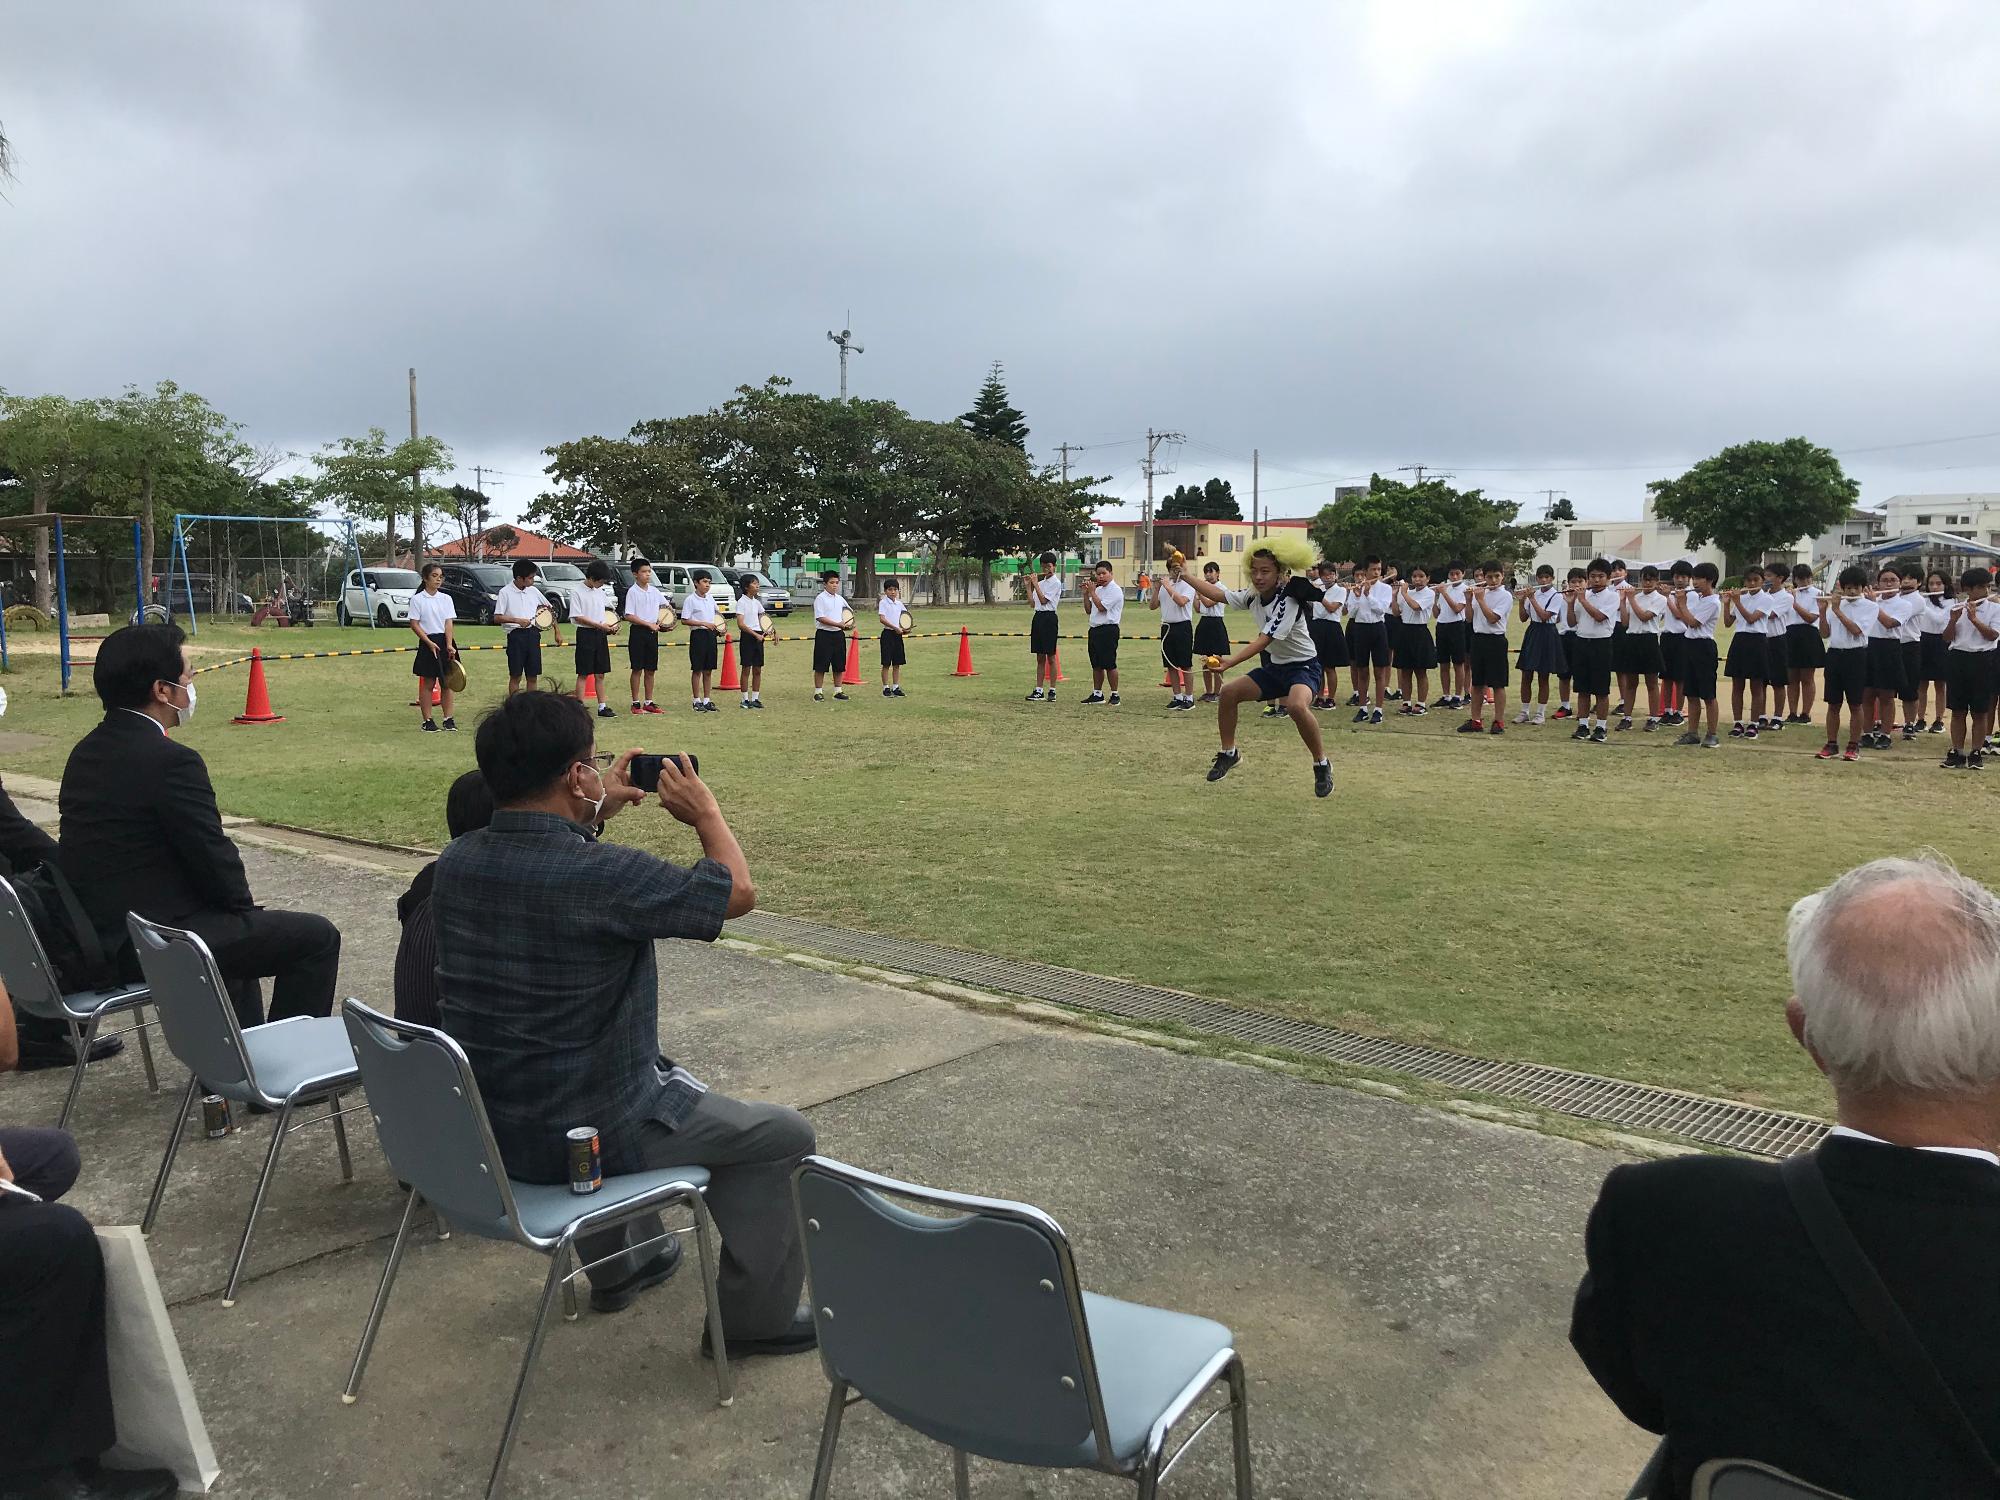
[(66, 639), (286, 595)]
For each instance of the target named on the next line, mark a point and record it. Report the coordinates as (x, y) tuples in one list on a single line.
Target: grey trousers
[(750, 1151)]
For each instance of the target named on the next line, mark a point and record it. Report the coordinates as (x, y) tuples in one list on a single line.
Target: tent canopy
[(1925, 544)]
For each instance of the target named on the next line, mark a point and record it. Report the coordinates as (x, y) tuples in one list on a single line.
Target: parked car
[(561, 581), (195, 593), (776, 600), (388, 592), (473, 588), (677, 578)]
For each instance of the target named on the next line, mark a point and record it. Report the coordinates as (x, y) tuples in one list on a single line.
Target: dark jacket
[(141, 831), (23, 845), (1707, 1315), (416, 953)]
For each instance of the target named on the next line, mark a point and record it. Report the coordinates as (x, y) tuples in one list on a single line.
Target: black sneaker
[(1093, 698), (1395, 695), (756, 702), (1375, 717), (1937, 726), (801, 1338), (1051, 696), (1750, 731), (1690, 738), (451, 723), (1225, 762), (1361, 716), (429, 727), (1322, 778), (621, 1294), (1598, 736), (897, 692), (1952, 761), (1976, 761), (1472, 726), (1036, 696), (1498, 728), (887, 694), (1582, 731), (1736, 731), (1114, 700), (1625, 721), (1352, 699), (1274, 711)]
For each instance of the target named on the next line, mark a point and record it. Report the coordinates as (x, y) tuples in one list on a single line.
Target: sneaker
[(1498, 728), (1827, 751), (1472, 726), (1093, 698), (1521, 717), (604, 711), (1420, 710), (695, 706), (1394, 695), (1541, 717), (621, 1294), (1375, 717), (654, 708), (819, 695), (839, 697), (1711, 743), (1361, 716), (1273, 712), (1910, 731), (1114, 700), (1624, 721), (887, 694), (1952, 761), (801, 1338), (1622, 709), (1598, 736), (451, 723), (744, 704), (1937, 726), (1750, 731), (1406, 710), (757, 703), (1736, 731), (1690, 738), (897, 692), (1035, 697), (1582, 732), (1976, 761), (1353, 699), (1852, 752), (1225, 762), (1052, 696), (638, 708), (1650, 725), (1322, 778), (429, 727)]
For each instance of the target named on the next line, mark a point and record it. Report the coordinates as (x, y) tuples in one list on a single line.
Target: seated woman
[(468, 805)]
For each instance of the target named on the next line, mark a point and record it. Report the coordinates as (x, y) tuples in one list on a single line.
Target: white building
[(1976, 517), (1646, 540)]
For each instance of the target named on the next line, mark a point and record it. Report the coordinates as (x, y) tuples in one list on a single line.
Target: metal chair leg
[(353, 1391), (571, 1264), (829, 1438), (961, 1481), (1239, 1425), (704, 1244), (146, 1048), (80, 1038), (167, 1161), (1149, 1473), (257, 1201), (438, 1223), (340, 1138), (557, 1263)]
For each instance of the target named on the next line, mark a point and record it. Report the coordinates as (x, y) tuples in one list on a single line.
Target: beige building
[(1227, 543)]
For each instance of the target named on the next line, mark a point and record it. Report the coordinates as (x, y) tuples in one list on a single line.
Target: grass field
[(1613, 908)]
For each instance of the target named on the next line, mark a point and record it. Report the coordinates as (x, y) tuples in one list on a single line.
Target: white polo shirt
[(1333, 599), (1778, 612), (1500, 600), (890, 612), (1547, 600), (1899, 609), (1805, 604), (1705, 610), (827, 609), (1964, 637), (1046, 591), (1451, 605), (643, 604), (1172, 611), (520, 603), (586, 606), (432, 611), (750, 614), (1647, 624), (1370, 606), (1283, 621), (1110, 606), (699, 609), (1605, 601), (1933, 614), (1417, 606), (1670, 623), (1841, 637), (1214, 611)]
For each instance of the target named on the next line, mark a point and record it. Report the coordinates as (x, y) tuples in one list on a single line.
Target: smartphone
[(645, 769)]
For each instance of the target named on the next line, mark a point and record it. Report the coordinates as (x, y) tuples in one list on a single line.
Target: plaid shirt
[(546, 978)]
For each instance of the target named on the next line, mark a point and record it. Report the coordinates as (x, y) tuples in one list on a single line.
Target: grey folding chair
[(973, 1330), (280, 1065), (1642, 1487), (433, 1128), (31, 982), (1745, 1479)]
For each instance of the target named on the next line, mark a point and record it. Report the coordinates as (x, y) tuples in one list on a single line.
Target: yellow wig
[(1288, 549)]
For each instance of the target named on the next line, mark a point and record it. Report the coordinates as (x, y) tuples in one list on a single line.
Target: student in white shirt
[(1368, 606), (1104, 608), (1743, 610), (1328, 633), (1843, 626), (1779, 617), (889, 610), (1593, 611), (1454, 638), (644, 605), (432, 615), (1805, 647), (832, 619), (753, 625), (1636, 653), (1043, 593), (1911, 638), (1698, 609), (1281, 595), (1566, 638), (594, 630), (1884, 614), (515, 607), (1416, 652), (1211, 633), (1542, 655), (1972, 631), (1492, 602), (704, 623), (1932, 618), (1173, 597)]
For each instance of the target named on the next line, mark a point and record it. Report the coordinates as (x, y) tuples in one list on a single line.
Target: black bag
[(69, 938)]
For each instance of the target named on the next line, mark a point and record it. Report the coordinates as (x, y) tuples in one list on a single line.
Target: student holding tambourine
[(704, 623), (647, 611), (832, 619), (754, 632), (526, 613), (896, 624)]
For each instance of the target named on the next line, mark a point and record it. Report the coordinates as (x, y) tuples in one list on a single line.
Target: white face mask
[(596, 807), (182, 715)]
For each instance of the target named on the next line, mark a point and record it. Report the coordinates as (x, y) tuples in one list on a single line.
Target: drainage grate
[(1708, 1122)]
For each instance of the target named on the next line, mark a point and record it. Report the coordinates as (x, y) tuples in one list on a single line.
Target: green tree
[(993, 417), (1560, 510), (1426, 523), (171, 446), (366, 477), (52, 444), (1757, 497), (1214, 501)]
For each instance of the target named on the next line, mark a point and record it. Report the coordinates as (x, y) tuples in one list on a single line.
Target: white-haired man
[(1709, 1312)]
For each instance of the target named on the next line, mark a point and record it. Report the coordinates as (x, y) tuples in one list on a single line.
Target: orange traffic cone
[(588, 687), (257, 702), (852, 675), (964, 654), (1061, 676), (730, 682)]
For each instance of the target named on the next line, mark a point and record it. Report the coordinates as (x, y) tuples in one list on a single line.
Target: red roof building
[(505, 543)]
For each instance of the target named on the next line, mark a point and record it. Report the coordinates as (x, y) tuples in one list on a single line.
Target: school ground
[(1398, 1278), (1616, 909)]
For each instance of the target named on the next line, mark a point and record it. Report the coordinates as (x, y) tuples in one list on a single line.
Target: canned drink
[(586, 1162), (215, 1116)]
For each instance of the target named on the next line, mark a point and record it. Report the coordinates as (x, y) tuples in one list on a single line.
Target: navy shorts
[(1277, 679), (702, 646), (524, 653), (593, 652), (1368, 643), (644, 648), (1042, 633)]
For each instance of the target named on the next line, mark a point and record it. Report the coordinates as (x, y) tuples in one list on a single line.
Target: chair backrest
[(1745, 1479), (969, 1329), (430, 1120), (24, 965), (192, 1001)]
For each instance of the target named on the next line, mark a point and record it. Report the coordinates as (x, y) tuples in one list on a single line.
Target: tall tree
[(1213, 501), (1757, 497), (366, 477), (52, 443), (1428, 523), (993, 416), (171, 444), (1560, 510)]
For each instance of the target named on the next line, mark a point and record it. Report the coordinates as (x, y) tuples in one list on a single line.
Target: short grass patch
[(1618, 909)]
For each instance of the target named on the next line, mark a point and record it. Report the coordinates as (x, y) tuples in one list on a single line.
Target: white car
[(387, 596), (562, 578), (676, 580)]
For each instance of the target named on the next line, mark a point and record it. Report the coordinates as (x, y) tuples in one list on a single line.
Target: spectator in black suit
[(44, 1043), (1708, 1315), (141, 833), (55, 1382), (468, 805)]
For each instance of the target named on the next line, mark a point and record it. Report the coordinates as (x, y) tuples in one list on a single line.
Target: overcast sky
[(1573, 244)]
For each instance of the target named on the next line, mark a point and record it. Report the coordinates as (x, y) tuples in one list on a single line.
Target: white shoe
[(1540, 716), (1521, 717)]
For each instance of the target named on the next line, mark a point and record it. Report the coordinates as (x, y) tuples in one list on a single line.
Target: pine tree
[(993, 417)]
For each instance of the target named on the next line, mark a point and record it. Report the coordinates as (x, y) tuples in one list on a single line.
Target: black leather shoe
[(620, 1295), (801, 1338), (99, 1484), (59, 1051)]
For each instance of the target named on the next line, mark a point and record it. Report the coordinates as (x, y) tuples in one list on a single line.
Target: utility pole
[(1551, 495), (845, 339), (1066, 449), (1255, 455), (1153, 441), (1423, 469), (416, 489), (479, 484)]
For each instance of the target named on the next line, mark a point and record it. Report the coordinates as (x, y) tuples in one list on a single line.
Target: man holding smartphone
[(546, 977)]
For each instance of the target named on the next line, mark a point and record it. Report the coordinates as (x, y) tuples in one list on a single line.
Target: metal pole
[(138, 574), (187, 583), (1146, 529), (1255, 455), (416, 487), (62, 606)]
